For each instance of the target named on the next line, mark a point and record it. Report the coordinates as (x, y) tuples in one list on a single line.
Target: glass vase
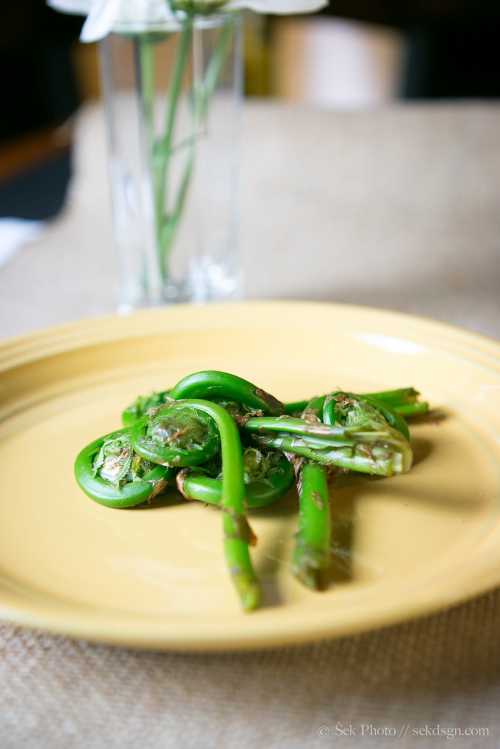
[(173, 103)]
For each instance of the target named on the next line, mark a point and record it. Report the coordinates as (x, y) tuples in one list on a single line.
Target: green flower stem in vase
[(173, 188)]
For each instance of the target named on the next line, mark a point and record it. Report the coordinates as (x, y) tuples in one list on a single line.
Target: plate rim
[(98, 322)]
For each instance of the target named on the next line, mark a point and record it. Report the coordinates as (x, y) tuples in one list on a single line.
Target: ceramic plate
[(155, 577)]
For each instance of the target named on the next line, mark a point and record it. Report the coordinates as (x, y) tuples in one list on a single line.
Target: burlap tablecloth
[(396, 208)]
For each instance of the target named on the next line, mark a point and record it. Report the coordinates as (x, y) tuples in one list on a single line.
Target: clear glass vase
[(173, 103)]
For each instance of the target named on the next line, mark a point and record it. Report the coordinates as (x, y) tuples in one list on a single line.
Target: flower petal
[(78, 7), (278, 7), (136, 16), (127, 16), (101, 20)]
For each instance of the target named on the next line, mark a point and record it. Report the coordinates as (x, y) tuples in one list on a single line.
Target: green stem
[(211, 384), (167, 221), (403, 401), (412, 409), (215, 67), (259, 492), (329, 435), (396, 397), (147, 73), (165, 144), (382, 457), (237, 533), (311, 557)]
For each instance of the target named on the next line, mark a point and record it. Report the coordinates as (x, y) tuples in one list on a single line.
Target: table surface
[(395, 208)]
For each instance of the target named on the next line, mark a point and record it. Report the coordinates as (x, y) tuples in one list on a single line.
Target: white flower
[(104, 16), (136, 16)]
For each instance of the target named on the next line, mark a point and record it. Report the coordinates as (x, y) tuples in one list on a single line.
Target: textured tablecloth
[(396, 208)]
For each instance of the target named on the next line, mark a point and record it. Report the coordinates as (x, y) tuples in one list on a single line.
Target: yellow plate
[(155, 577)]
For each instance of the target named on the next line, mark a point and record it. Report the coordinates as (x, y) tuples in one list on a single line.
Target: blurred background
[(355, 54)]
